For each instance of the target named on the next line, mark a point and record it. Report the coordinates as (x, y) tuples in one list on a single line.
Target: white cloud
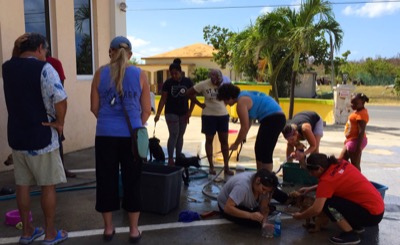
[(137, 42), (266, 10), (373, 10), (163, 23)]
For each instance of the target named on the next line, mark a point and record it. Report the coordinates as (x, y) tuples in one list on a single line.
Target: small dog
[(9, 160), (156, 150), (303, 202), (186, 162)]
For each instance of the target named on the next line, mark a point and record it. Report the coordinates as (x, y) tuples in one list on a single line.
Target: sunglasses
[(267, 181), (311, 167)]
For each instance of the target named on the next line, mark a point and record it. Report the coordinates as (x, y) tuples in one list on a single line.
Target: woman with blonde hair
[(116, 86)]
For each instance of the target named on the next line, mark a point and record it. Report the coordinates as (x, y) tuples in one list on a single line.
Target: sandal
[(58, 239), (212, 171), (108, 237), (135, 239), (38, 232), (228, 172)]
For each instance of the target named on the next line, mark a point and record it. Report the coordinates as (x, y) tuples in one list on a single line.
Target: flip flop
[(58, 239), (38, 232)]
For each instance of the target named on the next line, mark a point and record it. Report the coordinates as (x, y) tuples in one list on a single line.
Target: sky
[(371, 28)]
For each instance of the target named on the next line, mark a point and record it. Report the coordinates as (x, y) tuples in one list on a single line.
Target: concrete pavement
[(76, 199)]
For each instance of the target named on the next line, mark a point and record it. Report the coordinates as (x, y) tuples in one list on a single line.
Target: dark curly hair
[(362, 97), (228, 91)]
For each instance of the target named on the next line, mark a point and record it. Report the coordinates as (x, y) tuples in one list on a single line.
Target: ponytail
[(118, 64), (319, 159)]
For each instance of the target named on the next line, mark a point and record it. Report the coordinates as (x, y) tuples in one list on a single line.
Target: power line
[(255, 6)]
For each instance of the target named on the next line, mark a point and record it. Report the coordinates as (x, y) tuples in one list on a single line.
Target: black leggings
[(111, 152), (356, 215), (267, 136)]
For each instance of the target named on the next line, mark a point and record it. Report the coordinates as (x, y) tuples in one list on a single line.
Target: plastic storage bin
[(381, 188), (161, 188), (292, 173)]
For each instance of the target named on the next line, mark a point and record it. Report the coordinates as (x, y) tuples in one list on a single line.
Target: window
[(37, 17), (83, 37)]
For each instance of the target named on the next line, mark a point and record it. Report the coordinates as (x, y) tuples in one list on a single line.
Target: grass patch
[(378, 95)]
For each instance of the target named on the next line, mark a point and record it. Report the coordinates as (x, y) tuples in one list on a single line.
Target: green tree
[(242, 53), (397, 85), (306, 25), (271, 45), (200, 74), (218, 37)]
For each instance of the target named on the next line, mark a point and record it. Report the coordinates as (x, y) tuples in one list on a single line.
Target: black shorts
[(212, 124)]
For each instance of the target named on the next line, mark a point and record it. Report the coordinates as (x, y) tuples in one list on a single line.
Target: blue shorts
[(212, 124)]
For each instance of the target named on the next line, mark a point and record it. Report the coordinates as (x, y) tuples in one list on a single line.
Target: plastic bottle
[(277, 225), (267, 229)]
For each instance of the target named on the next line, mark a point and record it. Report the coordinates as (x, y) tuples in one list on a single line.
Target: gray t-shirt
[(239, 189)]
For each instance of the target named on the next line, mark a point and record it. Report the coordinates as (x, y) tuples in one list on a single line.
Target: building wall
[(108, 21), (188, 66)]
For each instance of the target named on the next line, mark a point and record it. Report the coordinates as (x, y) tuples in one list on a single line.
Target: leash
[(280, 166), (213, 179), (218, 152)]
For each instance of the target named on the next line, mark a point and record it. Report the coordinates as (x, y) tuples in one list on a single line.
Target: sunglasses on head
[(267, 181)]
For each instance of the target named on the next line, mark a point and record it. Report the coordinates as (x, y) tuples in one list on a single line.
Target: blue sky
[(371, 28)]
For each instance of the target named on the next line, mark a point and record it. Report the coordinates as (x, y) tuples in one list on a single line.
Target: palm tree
[(313, 18), (242, 52), (273, 41)]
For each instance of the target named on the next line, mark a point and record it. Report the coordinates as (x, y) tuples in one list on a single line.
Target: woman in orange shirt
[(356, 139)]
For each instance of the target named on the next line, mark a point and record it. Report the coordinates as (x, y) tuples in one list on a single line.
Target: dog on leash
[(9, 160), (186, 162), (303, 202), (156, 150)]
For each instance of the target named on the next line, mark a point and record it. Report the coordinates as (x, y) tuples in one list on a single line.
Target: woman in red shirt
[(344, 195)]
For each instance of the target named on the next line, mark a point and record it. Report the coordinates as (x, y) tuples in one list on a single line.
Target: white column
[(118, 18)]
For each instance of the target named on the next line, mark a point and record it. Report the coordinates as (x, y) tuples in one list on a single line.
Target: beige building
[(192, 57), (79, 33)]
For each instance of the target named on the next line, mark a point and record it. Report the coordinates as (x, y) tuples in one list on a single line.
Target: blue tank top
[(111, 120), (263, 105)]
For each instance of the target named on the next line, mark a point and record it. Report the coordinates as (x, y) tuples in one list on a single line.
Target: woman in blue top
[(115, 84), (256, 105)]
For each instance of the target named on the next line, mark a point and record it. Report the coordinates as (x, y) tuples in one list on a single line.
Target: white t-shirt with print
[(213, 107)]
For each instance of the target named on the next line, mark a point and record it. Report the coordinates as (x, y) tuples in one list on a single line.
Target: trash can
[(342, 98)]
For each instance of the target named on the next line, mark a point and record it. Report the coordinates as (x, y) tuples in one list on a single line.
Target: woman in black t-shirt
[(177, 110)]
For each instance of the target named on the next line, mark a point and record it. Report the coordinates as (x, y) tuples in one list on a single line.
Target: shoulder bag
[(139, 136)]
